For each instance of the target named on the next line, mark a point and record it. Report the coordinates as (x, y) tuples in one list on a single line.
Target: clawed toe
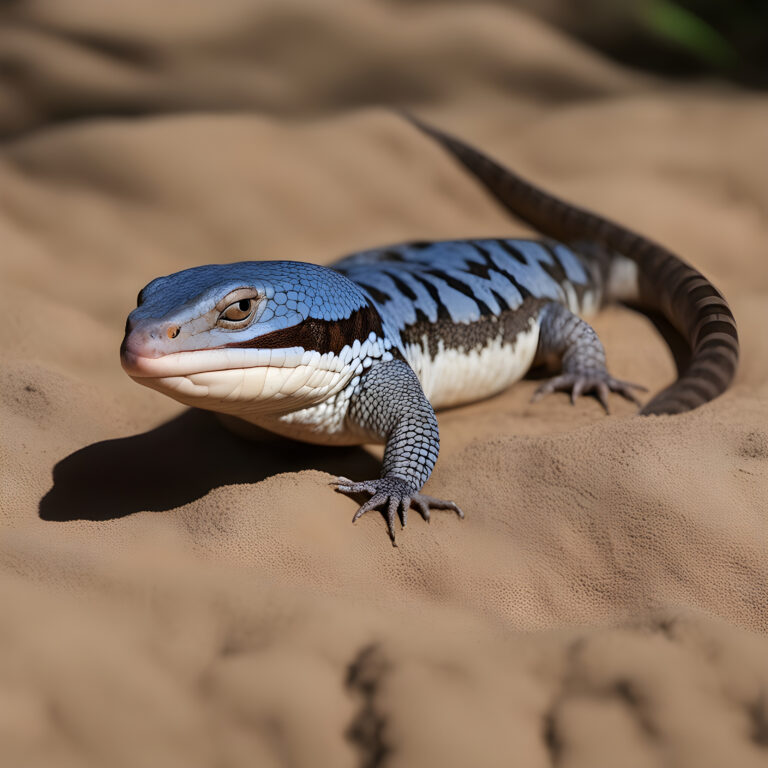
[(424, 502), (396, 497), (601, 384), (344, 485)]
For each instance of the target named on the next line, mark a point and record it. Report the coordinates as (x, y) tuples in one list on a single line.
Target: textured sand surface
[(173, 595)]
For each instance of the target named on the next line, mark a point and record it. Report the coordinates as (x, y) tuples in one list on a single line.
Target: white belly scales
[(457, 376)]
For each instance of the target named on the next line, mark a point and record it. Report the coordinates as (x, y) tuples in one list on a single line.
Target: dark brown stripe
[(442, 310), (702, 291), (716, 325), (320, 335), (669, 271), (376, 294), (475, 335), (727, 347), (401, 286), (392, 255), (697, 388), (713, 375), (556, 271), (501, 301), (479, 270), (513, 252), (461, 288), (524, 292), (683, 288)]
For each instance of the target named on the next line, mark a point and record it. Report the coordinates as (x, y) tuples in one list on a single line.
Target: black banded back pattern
[(667, 283)]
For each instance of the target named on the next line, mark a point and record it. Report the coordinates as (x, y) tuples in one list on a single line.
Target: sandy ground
[(175, 596)]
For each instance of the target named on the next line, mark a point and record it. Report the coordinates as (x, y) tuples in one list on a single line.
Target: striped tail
[(666, 283)]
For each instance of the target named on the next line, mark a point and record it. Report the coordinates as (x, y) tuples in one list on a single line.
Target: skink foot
[(599, 382), (396, 495)]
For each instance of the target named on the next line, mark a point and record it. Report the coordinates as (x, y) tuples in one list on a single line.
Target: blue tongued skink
[(363, 351)]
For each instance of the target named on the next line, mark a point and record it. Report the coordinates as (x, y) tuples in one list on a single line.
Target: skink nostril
[(173, 331)]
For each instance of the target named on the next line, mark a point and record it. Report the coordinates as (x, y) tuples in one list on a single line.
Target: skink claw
[(599, 382), (396, 496)]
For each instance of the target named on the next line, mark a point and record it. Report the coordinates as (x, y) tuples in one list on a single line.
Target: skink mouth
[(207, 361)]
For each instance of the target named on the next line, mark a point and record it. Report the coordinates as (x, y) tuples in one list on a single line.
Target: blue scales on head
[(296, 290)]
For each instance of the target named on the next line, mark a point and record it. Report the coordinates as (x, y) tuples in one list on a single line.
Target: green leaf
[(684, 28)]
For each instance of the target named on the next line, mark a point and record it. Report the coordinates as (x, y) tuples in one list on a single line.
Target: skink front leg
[(391, 406)]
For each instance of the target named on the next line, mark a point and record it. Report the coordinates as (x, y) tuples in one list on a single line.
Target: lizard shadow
[(179, 462)]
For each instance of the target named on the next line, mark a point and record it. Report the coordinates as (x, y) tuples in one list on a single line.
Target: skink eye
[(238, 311)]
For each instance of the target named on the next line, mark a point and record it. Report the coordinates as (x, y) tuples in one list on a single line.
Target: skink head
[(152, 332), (210, 336)]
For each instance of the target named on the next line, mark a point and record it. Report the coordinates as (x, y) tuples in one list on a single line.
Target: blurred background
[(62, 60), (679, 38)]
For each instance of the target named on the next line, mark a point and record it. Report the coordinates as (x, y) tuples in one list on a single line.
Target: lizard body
[(364, 350)]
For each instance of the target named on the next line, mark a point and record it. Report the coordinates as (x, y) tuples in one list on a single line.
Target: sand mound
[(175, 595)]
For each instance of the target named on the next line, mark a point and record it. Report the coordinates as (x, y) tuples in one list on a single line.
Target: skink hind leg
[(575, 343), (390, 405)]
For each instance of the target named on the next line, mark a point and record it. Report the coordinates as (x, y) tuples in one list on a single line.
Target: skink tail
[(665, 282)]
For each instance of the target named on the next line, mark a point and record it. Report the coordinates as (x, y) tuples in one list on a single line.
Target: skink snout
[(172, 331), (149, 338)]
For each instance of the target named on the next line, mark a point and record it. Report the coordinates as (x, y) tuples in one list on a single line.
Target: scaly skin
[(576, 346), (391, 404)]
